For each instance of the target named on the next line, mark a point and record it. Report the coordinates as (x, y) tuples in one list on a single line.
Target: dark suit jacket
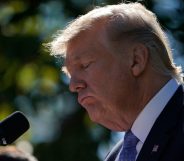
[(165, 142)]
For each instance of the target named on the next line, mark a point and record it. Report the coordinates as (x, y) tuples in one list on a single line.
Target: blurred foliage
[(31, 80)]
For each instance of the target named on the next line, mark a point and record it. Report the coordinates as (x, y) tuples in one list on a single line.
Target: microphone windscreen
[(13, 127)]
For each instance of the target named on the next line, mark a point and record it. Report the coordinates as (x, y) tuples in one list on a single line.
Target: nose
[(76, 85)]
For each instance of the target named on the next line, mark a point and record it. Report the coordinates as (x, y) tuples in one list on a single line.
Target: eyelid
[(86, 65)]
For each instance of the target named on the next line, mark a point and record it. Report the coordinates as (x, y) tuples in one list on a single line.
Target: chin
[(94, 117)]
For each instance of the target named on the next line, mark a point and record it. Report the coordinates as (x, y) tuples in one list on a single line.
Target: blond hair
[(131, 20)]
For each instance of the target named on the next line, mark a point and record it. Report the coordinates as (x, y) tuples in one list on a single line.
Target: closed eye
[(86, 65)]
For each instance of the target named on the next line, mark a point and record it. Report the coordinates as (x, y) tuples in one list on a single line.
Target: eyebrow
[(68, 62), (74, 59), (77, 58)]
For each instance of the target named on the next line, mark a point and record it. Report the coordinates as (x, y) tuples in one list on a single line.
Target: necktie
[(128, 152)]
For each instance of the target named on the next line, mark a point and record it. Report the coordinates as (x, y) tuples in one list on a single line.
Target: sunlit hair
[(122, 21)]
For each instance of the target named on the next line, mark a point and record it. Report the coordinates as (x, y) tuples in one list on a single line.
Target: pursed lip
[(82, 98)]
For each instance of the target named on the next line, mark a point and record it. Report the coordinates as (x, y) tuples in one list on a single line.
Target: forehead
[(82, 46), (90, 43), (75, 57)]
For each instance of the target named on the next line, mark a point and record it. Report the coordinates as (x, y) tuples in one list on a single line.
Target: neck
[(146, 89), (151, 88)]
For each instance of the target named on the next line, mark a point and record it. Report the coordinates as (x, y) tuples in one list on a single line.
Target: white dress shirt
[(145, 120)]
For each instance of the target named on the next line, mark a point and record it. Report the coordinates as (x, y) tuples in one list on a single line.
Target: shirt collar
[(152, 110)]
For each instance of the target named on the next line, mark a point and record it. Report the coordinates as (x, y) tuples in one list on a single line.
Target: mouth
[(82, 100)]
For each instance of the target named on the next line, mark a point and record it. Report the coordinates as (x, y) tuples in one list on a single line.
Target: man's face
[(101, 79)]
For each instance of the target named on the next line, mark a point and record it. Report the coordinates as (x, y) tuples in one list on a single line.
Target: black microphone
[(13, 127)]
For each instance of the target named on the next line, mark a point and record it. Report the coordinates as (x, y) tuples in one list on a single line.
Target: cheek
[(117, 86), (107, 80), (103, 89), (100, 80)]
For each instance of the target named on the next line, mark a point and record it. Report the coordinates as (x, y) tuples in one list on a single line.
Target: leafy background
[(31, 80)]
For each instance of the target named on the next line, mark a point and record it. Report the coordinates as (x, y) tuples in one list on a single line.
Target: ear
[(139, 59)]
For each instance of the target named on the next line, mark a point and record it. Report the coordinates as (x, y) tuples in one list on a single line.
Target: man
[(12, 153), (120, 64)]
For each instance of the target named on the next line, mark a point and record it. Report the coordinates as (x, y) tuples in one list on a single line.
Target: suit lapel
[(162, 130)]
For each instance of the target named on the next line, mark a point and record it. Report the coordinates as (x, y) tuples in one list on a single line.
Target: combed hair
[(131, 20)]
